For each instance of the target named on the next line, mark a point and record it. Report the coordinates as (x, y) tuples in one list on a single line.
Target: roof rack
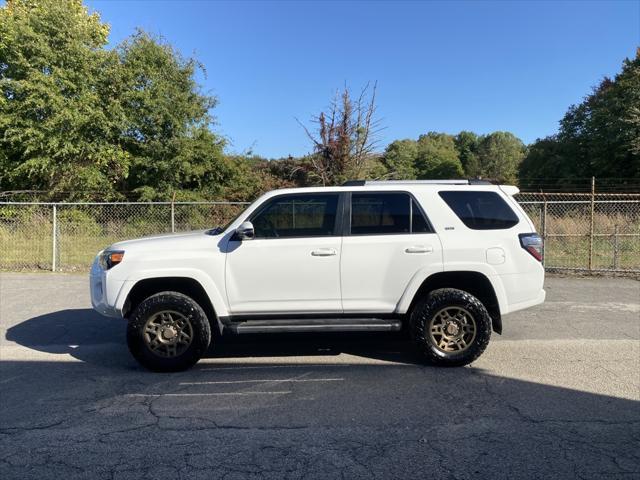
[(361, 183)]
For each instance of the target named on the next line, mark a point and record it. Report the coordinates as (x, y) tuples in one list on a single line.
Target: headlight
[(111, 258)]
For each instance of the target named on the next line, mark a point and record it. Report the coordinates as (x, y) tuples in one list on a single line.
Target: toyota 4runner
[(444, 259)]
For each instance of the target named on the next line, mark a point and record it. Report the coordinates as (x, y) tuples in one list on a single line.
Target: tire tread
[(436, 300), (179, 302)]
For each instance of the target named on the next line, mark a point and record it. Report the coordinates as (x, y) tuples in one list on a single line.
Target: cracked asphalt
[(557, 396)]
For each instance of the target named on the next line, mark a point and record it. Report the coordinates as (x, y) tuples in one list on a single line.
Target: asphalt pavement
[(556, 396)]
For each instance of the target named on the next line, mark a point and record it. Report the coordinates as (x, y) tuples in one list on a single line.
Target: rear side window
[(480, 210), (311, 215), (418, 222), (385, 214)]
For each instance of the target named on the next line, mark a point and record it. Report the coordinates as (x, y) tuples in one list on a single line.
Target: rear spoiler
[(509, 189)]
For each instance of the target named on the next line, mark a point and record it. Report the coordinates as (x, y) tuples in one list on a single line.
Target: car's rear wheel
[(168, 332), (450, 327)]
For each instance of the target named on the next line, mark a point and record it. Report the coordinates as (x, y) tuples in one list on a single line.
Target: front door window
[(297, 216)]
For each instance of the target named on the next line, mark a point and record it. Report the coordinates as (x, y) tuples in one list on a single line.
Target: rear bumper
[(523, 289), (514, 307), (104, 293)]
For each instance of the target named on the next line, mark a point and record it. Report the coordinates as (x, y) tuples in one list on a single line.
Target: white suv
[(443, 259)]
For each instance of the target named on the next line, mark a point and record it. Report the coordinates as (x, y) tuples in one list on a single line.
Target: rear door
[(387, 240)]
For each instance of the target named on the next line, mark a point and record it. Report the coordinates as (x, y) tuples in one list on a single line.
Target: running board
[(316, 325)]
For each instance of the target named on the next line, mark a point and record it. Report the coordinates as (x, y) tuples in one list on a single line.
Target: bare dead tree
[(345, 136)]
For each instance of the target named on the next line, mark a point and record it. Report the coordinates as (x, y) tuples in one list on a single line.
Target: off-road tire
[(425, 310), (183, 305)]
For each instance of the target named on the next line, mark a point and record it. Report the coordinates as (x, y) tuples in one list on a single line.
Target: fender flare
[(205, 281), (423, 275)]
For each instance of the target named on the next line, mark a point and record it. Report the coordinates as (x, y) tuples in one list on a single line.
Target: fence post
[(54, 236), (615, 247), (593, 195), (544, 229), (173, 213)]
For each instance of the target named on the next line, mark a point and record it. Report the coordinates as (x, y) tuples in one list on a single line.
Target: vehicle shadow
[(90, 337)]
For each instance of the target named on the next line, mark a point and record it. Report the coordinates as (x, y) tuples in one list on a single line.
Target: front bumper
[(104, 291)]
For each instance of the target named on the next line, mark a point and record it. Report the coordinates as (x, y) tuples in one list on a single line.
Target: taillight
[(532, 243)]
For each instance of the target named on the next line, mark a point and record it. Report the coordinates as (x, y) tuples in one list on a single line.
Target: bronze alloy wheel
[(452, 329), (168, 334)]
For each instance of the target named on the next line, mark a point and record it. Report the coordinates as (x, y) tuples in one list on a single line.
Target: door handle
[(419, 249), (324, 252)]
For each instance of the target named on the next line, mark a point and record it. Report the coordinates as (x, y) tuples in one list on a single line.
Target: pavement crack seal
[(14, 430), (283, 380)]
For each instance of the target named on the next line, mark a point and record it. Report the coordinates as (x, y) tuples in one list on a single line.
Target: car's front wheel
[(450, 327), (168, 332)]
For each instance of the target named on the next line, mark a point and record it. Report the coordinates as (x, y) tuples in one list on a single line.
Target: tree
[(437, 157), (467, 144), (345, 138), (78, 118), (545, 165), (59, 118), (257, 175), (599, 137), (168, 129), (603, 132), (500, 155), (399, 159)]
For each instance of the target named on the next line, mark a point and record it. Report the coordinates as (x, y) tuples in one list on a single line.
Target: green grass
[(573, 252)]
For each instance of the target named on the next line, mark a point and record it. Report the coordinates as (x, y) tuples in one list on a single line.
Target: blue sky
[(443, 66)]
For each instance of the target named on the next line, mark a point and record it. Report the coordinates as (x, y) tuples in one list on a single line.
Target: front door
[(293, 263)]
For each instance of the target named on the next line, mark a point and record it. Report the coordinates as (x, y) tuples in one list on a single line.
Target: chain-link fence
[(582, 232), (67, 236), (586, 232)]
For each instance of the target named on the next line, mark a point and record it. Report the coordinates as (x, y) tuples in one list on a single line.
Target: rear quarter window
[(480, 210)]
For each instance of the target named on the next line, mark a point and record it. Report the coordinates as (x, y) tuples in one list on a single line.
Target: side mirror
[(245, 231)]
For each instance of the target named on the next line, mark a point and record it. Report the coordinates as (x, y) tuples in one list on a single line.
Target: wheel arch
[(473, 282), (144, 288)]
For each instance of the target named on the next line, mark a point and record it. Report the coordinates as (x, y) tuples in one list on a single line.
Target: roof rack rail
[(354, 183), (361, 183)]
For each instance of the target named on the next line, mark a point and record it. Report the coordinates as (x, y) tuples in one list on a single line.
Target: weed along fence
[(582, 232)]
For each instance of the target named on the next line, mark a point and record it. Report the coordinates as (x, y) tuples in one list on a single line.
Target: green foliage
[(500, 154), (374, 168), (546, 159), (73, 220), (437, 157), (602, 132), (599, 137), (168, 123), (467, 144), (253, 176), (76, 117), (399, 159), (58, 118)]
